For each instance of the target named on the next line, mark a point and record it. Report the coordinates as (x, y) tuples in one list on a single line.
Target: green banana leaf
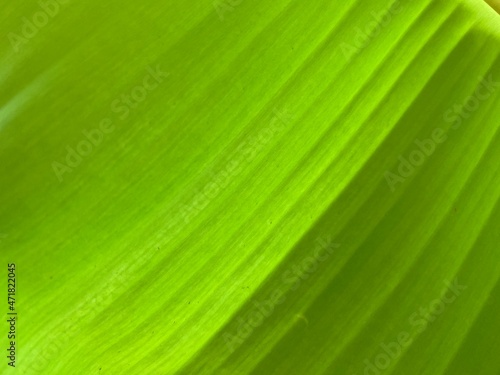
[(250, 187)]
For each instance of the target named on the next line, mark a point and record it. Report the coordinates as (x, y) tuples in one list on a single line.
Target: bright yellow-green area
[(251, 187)]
